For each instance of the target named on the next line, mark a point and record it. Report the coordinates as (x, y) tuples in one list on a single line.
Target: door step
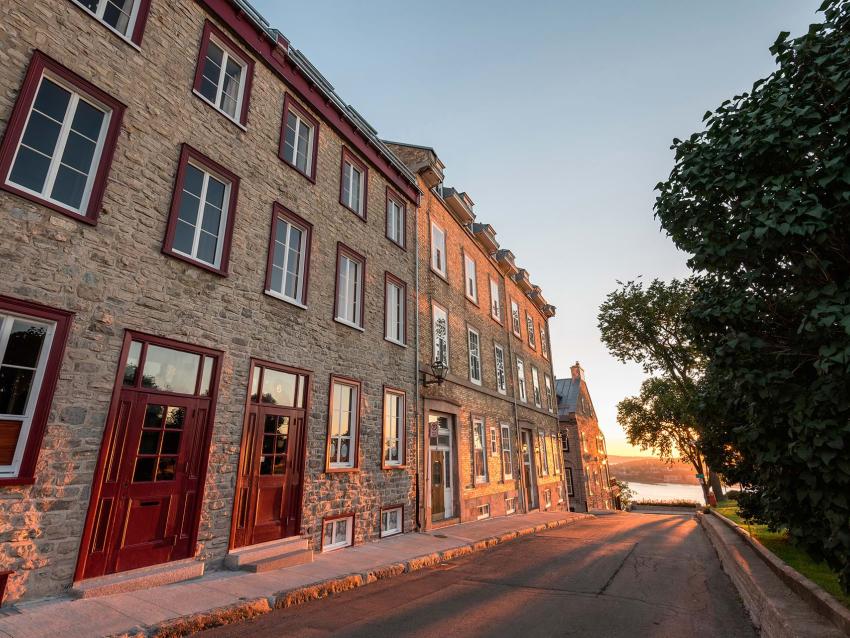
[(136, 579), (270, 555)]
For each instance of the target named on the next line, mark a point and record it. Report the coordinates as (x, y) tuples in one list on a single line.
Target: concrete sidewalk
[(225, 596)]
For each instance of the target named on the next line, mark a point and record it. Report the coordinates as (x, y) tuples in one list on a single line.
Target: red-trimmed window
[(353, 184), (343, 424), (350, 275), (393, 435), (60, 140), (223, 76), (200, 224), (125, 17), (396, 219), (32, 339), (395, 310), (299, 138), (289, 256)]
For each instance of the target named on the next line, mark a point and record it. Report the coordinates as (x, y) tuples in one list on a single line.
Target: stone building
[(583, 445), (490, 428), (206, 336)]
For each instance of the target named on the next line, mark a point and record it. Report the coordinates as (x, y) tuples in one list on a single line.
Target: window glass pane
[(212, 71), (41, 133), (132, 365), (25, 341), (88, 120), (52, 100), (30, 170), (15, 384), (171, 370), (69, 187), (117, 14), (289, 136), (293, 264), (231, 87), (79, 152), (278, 387), (206, 377), (303, 147), (207, 245), (346, 183), (341, 531)]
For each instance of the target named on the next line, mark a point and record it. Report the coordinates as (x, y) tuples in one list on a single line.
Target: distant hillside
[(647, 469)]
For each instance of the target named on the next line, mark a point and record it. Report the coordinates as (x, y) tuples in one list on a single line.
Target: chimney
[(577, 371)]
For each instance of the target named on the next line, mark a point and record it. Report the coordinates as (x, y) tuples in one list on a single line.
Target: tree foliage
[(761, 200)]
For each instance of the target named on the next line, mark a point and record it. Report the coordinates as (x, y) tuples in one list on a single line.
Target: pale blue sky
[(556, 117)]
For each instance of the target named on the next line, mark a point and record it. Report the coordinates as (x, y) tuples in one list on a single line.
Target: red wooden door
[(268, 501), (148, 489)]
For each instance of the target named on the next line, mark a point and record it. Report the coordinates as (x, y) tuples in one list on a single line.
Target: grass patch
[(796, 558)]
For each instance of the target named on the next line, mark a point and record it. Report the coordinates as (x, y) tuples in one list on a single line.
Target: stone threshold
[(136, 579), (771, 591)]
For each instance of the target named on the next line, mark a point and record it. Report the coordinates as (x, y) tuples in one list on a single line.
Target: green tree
[(761, 200), (661, 418), (648, 324)]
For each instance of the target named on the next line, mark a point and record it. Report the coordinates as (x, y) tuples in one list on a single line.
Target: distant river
[(666, 491)]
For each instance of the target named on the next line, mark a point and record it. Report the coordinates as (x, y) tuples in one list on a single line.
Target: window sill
[(305, 175), (291, 302), (344, 322), (474, 382), (41, 201), (219, 111), (341, 470), (9, 481), (361, 217), (109, 28), (170, 252), (442, 275), (395, 343), (397, 244), (390, 468), (472, 300)]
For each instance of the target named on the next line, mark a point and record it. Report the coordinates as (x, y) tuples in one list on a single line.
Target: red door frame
[(308, 401), (109, 429)]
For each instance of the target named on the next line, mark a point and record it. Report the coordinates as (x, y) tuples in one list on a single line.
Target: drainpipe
[(417, 420)]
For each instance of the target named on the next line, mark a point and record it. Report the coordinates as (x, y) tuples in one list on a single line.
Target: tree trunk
[(704, 486), (716, 486)]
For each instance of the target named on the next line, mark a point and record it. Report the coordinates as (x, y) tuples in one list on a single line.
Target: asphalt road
[(620, 575)]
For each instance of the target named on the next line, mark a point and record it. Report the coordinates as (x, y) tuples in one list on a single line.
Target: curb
[(814, 595), (775, 611), (244, 610)]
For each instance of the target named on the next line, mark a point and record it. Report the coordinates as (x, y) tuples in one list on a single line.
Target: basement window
[(484, 511), (337, 533), (391, 521)]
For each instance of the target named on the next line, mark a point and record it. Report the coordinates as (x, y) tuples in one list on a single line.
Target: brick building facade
[(489, 435), (584, 453), (197, 348)]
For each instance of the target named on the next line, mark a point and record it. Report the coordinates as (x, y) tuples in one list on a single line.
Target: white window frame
[(507, 451), (298, 299), (101, 9), (544, 344), (479, 428), (438, 249), (349, 533), (547, 382), (385, 529), (516, 320), (437, 310), (543, 442), (568, 478), (345, 296), (535, 387), (299, 123), (556, 466), (348, 169), (227, 54), (473, 336), (501, 372), (396, 220), (494, 441), (495, 301), (470, 278), (199, 220), (395, 327), (354, 417), (395, 408), (61, 143), (510, 504), (520, 375), (483, 511), (7, 320), (529, 327)]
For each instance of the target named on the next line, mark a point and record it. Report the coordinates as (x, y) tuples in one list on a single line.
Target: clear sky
[(556, 117)]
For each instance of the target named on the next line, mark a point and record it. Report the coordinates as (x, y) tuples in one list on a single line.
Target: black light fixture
[(438, 370)]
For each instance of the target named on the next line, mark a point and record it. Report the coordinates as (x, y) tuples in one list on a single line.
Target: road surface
[(618, 575)]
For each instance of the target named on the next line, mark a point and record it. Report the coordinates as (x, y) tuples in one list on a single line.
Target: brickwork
[(459, 396), (114, 277)]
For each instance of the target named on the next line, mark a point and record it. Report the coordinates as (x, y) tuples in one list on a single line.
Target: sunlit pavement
[(629, 575)]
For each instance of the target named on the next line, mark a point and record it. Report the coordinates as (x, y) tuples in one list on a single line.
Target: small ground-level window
[(484, 511), (510, 504), (391, 521), (337, 533)]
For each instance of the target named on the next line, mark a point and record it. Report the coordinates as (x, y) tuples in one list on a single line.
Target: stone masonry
[(114, 276)]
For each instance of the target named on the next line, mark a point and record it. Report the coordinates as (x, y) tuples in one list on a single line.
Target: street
[(618, 575)]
